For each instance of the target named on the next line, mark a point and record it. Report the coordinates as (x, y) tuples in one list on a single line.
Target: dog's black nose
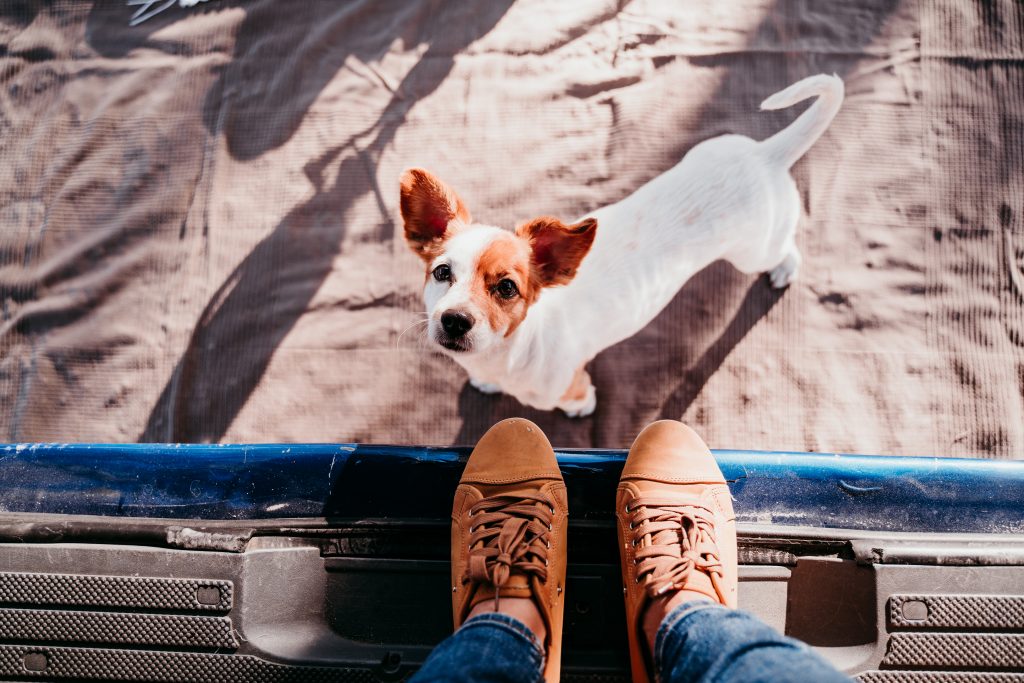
[(456, 324)]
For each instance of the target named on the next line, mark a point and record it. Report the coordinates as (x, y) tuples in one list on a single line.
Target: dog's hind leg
[(783, 260), (783, 274)]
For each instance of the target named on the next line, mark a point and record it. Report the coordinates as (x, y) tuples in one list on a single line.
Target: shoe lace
[(673, 540), (509, 534)]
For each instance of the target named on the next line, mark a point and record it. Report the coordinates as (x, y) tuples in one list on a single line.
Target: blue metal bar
[(349, 481)]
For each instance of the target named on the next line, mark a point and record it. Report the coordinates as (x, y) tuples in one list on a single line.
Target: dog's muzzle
[(455, 325)]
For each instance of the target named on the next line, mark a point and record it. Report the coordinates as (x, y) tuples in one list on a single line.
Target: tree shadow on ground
[(261, 301)]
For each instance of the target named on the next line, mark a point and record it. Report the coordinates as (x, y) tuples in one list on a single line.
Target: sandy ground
[(199, 237)]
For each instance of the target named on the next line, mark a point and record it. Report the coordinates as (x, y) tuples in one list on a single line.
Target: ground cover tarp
[(199, 237)]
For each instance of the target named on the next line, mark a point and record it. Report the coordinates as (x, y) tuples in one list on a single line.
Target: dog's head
[(482, 280)]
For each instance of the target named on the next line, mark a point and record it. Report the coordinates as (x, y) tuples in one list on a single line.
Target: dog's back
[(730, 197)]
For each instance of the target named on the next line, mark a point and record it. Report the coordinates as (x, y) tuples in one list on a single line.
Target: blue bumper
[(357, 482)]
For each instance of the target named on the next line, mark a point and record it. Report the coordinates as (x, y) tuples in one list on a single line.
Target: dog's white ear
[(432, 211), (558, 249)]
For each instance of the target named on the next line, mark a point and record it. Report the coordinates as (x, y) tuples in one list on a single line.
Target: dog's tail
[(792, 142)]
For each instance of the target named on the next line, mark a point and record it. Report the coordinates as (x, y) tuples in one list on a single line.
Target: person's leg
[(508, 563), (490, 648), (705, 641), (677, 537)]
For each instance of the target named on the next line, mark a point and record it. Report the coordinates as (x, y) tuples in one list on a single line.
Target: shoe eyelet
[(552, 510), (550, 528), (638, 579), (631, 525)]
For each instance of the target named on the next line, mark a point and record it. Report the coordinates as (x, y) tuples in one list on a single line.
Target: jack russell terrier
[(524, 312)]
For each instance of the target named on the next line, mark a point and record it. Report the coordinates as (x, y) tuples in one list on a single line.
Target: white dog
[(524, 312)]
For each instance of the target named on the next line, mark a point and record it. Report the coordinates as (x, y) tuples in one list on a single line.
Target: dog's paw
[(582, 407), (784, 273), (485, 387)]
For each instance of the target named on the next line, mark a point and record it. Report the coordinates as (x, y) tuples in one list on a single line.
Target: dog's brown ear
[(431, 211), (558, 249)]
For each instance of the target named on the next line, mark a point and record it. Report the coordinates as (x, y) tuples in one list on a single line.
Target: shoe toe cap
[(670, 451), (512, 450)]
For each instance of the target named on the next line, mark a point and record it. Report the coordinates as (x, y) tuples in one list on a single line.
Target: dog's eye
[(443, 273), (506, 289)]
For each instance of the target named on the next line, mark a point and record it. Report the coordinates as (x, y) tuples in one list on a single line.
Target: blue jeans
[(698, 641)]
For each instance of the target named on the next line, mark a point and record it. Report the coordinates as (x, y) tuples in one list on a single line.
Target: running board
[(173, 564)]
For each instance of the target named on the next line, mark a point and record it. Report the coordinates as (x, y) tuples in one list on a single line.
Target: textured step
[(957, 611), (938, 677), (115, 591), (116, 628), (961, 650), (86, 664)]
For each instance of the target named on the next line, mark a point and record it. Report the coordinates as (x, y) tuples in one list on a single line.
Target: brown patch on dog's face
[(431, 211), (557, 249), (513, 269), (504, 288)]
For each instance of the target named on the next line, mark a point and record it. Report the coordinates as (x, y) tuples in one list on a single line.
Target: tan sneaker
[(509, 529), (677, 529)]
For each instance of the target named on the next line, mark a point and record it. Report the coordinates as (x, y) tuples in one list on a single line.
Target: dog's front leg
[(580, 399), (484, 387)]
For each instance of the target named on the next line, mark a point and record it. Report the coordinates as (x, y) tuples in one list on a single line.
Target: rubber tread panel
[(961, 650), (114, 591), (939, 677), (960, 611), (116, 628), (88, 664)]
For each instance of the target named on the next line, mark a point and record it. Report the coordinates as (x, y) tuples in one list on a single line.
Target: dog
[(524, 312)]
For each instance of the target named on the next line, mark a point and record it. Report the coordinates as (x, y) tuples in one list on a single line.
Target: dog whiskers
[(418, 323)]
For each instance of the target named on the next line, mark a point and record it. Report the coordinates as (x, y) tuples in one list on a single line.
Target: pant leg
[(489, 648), (707, 643)]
